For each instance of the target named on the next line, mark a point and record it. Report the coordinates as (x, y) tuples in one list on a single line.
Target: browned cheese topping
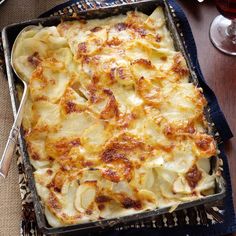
[(112, 124)]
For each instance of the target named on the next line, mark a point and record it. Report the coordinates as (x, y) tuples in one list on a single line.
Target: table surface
[(218, 69)]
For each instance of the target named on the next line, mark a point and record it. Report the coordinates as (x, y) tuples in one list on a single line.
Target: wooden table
[(218, 69)]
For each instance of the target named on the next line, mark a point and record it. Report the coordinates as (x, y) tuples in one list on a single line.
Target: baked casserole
[(112, 123)]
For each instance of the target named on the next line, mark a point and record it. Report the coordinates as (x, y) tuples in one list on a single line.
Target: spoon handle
[(12, 139)]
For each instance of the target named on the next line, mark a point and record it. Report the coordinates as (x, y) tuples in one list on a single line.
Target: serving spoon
[(1, 1), (13, 136)]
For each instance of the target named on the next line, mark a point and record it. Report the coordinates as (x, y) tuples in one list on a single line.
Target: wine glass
[(223, 27)]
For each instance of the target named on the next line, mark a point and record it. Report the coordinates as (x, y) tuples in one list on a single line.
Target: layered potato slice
[(113, 125)]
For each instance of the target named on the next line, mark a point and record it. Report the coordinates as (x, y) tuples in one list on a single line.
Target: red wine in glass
[(227, 8), (223, 27)]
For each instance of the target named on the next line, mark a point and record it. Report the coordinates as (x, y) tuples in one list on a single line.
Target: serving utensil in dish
[(2, 1), (10, 32), (12, 139)]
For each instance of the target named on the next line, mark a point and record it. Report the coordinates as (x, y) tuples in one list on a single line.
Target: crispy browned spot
[(201, 99), (125, 142), (166, 148), (35, 156), (82, 48), (158, 38), (164, 58), (168, 130), (178, 66), (96, 29), (111, 109), (57, 181), (86, 59), (149, 92), (92, 89), (38, 73), (183, 129), (50, 158), (34, 59), (114, 42), (102, 199), (190, 129), (203, 144), (142, 32), (193, 176), (125, 120), (116, 151), (87, 163), (95, 79), (112, 154), (130, 203), (70, 107), (64, 145), (112, 74), (89, 212), (206, 144), (144, 62), (101, 207), (111, 175), (108, 92), (53, 202), (38, 77), (67, 100), (91, 182), (121, 26), (69, 219), (49, 172), (121, 73)]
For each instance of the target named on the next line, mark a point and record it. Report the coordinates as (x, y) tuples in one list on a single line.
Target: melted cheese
[(112, 124)]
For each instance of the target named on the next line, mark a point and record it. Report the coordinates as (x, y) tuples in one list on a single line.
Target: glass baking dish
[(9, 34)]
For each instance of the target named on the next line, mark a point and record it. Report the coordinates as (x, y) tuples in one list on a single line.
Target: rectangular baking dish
[(9, 34)]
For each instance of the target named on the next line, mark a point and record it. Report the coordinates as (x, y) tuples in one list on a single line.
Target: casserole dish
[(10, 32)]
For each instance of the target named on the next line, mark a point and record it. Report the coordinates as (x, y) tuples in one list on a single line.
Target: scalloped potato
[(113, 126)]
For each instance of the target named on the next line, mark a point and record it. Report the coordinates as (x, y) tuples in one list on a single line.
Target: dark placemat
[(217, 219)]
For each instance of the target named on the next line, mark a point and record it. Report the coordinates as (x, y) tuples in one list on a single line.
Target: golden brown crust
[(34, 59), (193, 176), (113, 125)]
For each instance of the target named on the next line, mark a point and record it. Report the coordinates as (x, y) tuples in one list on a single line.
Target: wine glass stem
[(231, 31)]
